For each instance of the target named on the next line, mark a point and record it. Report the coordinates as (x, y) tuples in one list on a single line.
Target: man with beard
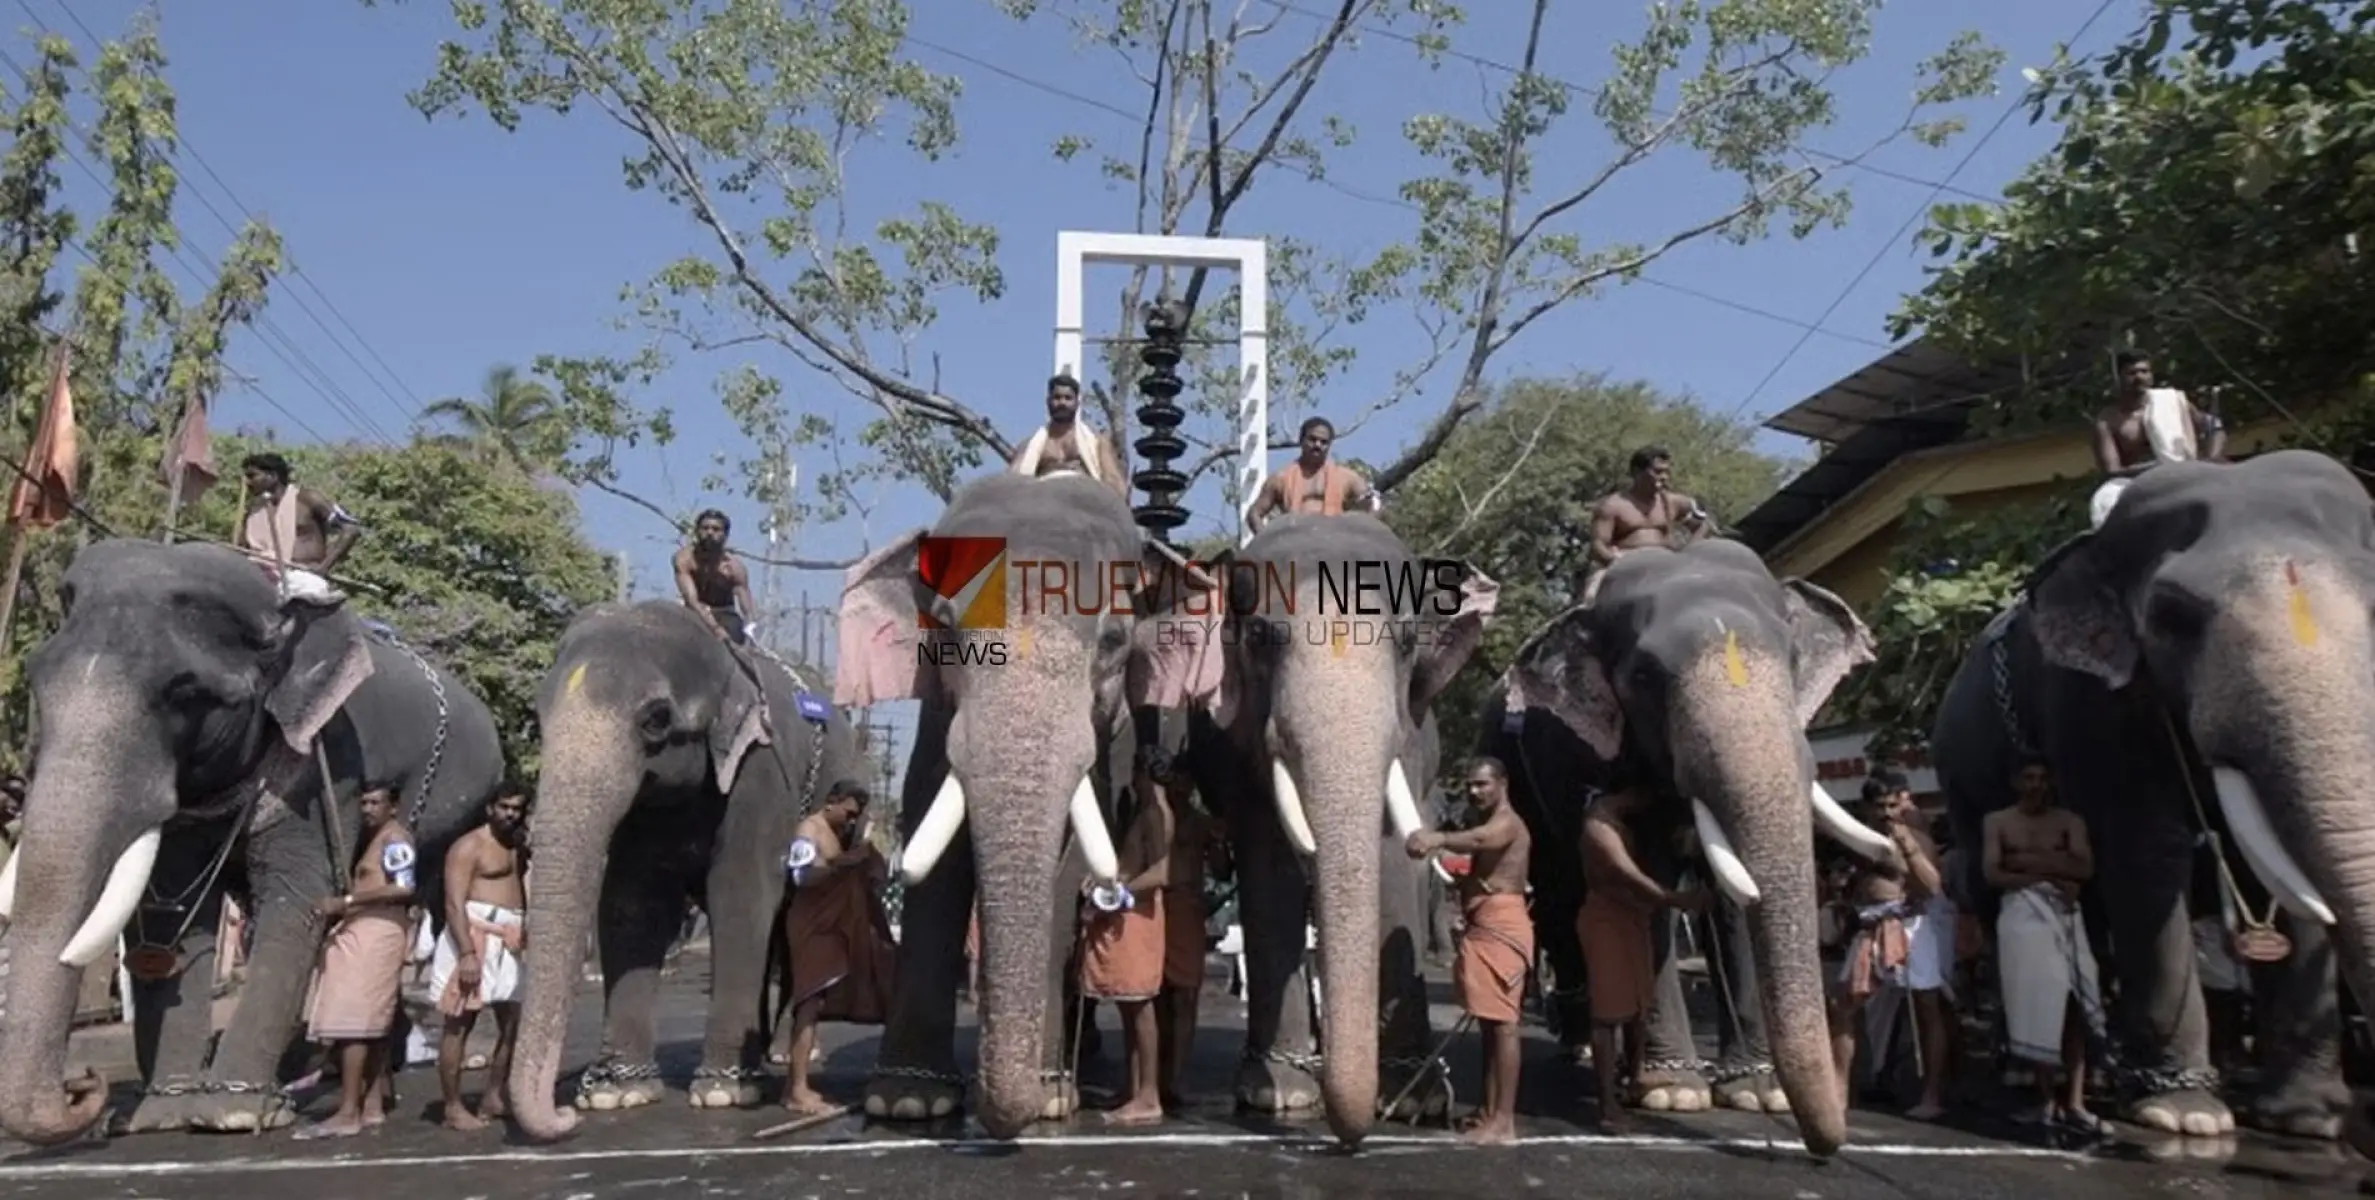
[(1312, 483), (1067, 443), (1637, 517), (477, 964), (712, 582)]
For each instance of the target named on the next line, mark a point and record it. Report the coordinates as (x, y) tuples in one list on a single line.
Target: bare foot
[(1136, 1112), (805, 1102), (1473, 1119), (1499, 1131), (1616, 1120), (462, 1119), (1925, 1112), (490, 1107), (335, 1127)]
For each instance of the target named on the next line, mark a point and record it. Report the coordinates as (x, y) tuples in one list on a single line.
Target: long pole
[(181, 472), (17, 533)]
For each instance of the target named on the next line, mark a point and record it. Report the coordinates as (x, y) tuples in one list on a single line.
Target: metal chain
[(736, 1073), (420, 795), (2000, 657)]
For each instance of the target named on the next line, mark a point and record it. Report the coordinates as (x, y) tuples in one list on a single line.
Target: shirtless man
[(354, 1002), (1616, 927), (2039, 855), (1496, 938), (1312, 484), (486, 900), (2124, 443), (834, 830), (1900, 939), (1122, 953), (1637, 516), (1066, 443), (712, 582), (292, 525), (1196, 848)]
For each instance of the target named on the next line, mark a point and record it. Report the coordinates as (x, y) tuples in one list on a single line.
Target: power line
[(1921, 210)]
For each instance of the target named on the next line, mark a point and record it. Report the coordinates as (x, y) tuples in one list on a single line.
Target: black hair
[(1884, 783), (2128, 358), (847, 789), (512, 785), (1064, 380), (724, 522), (1311, 423), (1649, 454), (2031, 758), (267, 462), (1486, 762)]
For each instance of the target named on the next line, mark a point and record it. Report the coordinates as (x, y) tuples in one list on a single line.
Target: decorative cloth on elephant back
[(1183, 935), (1123, 954), (1619, 963), (837, 942), (1496, 950), (354, 994)]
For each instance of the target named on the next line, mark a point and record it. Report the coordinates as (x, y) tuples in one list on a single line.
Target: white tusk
[(8, 887), (1290, 808), (2266, 856), (1730, 873), (1400, 806), (1088, 827), (934, 833), (116, 903), (1846, 830)]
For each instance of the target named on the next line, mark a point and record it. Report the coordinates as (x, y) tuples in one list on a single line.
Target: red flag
[(51, 459), (189, 456)]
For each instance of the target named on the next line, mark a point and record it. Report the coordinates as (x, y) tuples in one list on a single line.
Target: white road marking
[(1581, 1141)]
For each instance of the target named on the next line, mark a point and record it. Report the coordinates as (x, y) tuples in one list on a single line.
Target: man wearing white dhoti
[(1068, 444), (2039, 855), (2144, 427), (478, 953)]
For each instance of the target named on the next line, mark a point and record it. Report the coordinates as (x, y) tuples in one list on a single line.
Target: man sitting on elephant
[(713, 582), (2145, 426), (1066, 443), (297, 533), (1637, 516), (1312, 484)]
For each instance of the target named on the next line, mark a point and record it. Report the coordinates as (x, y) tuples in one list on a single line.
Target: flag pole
[(181, 469), (17, 532)]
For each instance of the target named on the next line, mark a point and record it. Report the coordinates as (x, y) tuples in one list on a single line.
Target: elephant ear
[(2077, 616), (321, 660), (1559, 671), (882, 598), (1176, 659), (741, 723), (1827, 639), (1453, 637)]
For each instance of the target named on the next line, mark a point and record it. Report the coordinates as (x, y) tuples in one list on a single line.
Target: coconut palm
[(515, 417)]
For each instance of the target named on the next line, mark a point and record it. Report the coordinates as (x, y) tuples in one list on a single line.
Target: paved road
[(673, 1150)]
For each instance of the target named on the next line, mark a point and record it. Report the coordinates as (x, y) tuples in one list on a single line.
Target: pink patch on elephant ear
[(878, 628), (1556, 672), (1454, 639), (1175, 653), (2079, 622)]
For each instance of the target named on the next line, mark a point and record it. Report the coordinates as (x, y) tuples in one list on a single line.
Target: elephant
[(1324, 718), (1028, 694), (675, 765), (2199, 661), (190, 712), (1693, 675)]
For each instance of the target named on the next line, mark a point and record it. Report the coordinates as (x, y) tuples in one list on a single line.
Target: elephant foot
[(1063, 1096), (726, 1087), (1672, 1085), (1752, 1089), (2194, 1112), (2304, 1109), (897, 1093), (1424, 1085), (610, 1085), (238, 1107), (1278, 1082)]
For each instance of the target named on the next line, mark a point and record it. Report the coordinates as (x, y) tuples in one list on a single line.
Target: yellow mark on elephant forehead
[(2304, 626), (1022, 642), (1735, 667), (577, 679), (1336, 640)]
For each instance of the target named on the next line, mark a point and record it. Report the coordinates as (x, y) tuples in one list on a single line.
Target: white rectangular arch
[(1250, 258)]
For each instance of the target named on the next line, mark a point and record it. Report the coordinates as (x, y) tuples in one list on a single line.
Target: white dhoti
[(2043, 960), (1929, 947), (2169, 428), (498, 967)]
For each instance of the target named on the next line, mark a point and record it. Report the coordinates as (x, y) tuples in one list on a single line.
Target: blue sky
[(451, 246)]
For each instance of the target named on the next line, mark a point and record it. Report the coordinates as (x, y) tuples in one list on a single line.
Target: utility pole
[(783, 481), (626, 581)]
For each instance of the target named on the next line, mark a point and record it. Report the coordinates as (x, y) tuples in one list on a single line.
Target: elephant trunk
[(590, 778), (1741, 758), (92, 824), (1018, 831)]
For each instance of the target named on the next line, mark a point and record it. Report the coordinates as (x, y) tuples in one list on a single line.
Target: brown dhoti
[(1183, 936), (835, 942), (1618, 959), (1495, 952), (354, 996), (1122, 953)]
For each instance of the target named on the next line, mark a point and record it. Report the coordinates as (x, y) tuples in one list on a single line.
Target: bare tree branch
[(798, 564), (1525, 451)]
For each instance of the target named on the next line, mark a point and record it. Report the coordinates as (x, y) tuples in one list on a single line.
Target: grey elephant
[(673, 768), (1311, 738), (2200, 660), (1693, 675), (193, 721), (1019, 621)]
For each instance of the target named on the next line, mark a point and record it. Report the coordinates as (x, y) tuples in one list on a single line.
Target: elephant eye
[(656, 719), (186, 688), (2174, 613)]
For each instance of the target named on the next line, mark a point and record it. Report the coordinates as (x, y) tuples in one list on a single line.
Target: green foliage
[(1951, 574), (2212, 197), (1514, 489)]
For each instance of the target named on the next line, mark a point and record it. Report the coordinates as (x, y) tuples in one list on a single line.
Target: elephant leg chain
[(610, 1072), (1307, 1063), (925, 1074), (736, 1074)]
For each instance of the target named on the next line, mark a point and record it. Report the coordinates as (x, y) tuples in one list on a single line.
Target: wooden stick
[(810, 1121)]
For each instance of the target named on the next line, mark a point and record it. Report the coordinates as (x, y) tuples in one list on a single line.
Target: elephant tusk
[(934, 833), (1400, 806), (8, 888), (1730, 873), (1290, 808), (2248, 821), (1846, 830), (116, 903), (1088, 826)]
